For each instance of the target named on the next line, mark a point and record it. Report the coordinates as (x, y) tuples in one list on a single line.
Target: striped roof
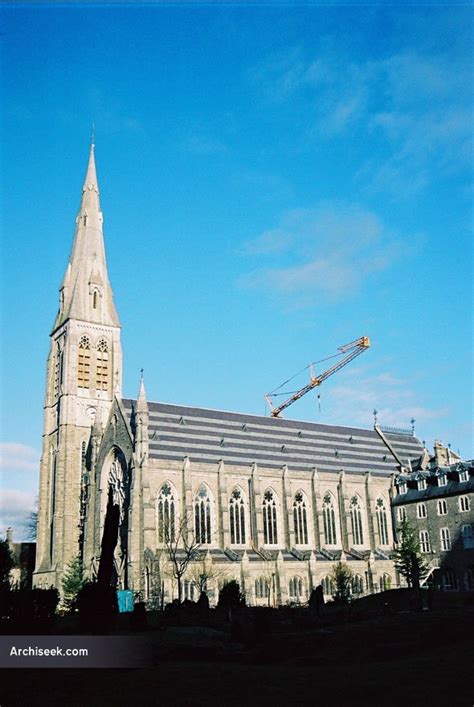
[(208, 436)]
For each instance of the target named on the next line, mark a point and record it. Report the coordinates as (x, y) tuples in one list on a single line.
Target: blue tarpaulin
[(125, 600)]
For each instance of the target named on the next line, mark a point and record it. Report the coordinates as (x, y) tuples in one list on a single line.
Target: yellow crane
[(352, 350)]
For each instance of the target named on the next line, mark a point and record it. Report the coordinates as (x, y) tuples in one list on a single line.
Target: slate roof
[(205, 435), (453, 487)]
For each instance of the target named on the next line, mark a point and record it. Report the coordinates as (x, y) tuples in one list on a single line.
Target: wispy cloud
[(330, 251), (418, 106), (14, 455), (203, 145), (360, 392)]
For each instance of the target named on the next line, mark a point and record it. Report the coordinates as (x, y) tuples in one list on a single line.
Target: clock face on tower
[(91, 413)]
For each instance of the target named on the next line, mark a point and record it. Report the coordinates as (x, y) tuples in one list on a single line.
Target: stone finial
[(142, 405)]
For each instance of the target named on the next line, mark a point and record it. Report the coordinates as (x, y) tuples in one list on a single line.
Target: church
[(269, 502)]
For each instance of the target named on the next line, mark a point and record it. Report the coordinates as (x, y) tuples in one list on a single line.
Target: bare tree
[(181, 548), (31, 523), (204, 572)]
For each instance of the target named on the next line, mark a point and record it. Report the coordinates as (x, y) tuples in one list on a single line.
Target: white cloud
[(14, 455), (15, 507), (336, 248)]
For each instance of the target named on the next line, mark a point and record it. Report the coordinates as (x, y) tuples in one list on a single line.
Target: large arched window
[(166, 510), (356, 520), (202, 516), (58, 370), (329, 520), (382, 521), (237, 518), (270, 530), (300, 521), (190, 590), (84, 362), (296, 589), (385, 582), (102, 369)]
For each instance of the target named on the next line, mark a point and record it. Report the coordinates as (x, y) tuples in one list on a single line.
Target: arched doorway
[(115, 500)]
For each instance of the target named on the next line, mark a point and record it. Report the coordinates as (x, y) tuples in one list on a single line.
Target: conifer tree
[(73, 582), (408, 559)]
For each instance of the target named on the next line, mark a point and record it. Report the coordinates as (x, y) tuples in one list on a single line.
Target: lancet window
[(166, 508), (237, 518), (270, 526), (202, 516), (84, 362), (300, 520)]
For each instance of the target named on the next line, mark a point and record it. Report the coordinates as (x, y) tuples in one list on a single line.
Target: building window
[(102, 369), (58, 370), (329, 520), (385, 582), (300, 521), (237, 518), (270, 529), (448, 580), (463, 475), (166, 514), (382, 521), (84, 362), (202, 516), (420, 510), (425, 545), (356, 522), (262, 588), (357, 585), (442, 480), (401, 514), (442, 507), (421, 484), (328, 586), (469, 579), (468, 537), (189, 590), (445, 539), (464, 504), (296, 588), (402, 487)]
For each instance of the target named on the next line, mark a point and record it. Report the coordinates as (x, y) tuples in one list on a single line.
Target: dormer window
[(442, 480), (402, 487), (421, 484), (463, 475)]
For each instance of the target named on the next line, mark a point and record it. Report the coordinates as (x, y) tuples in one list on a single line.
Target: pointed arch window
[(296, 589), (382, 521), (356, 521), (328, 586), (329, 520), (58, 370), (262, 588), (166, 508), (237, 518), (202, 516), (102, 365), (300, 519), (84, 362), (270, 526), (357, 585)]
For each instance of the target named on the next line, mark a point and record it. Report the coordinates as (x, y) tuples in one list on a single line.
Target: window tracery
[(270, 526), (84, 362), (300, 520), (166, 509), (237, 518), (202, 516)]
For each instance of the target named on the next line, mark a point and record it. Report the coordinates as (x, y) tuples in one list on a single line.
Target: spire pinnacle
[(90, 182), (142, 405)]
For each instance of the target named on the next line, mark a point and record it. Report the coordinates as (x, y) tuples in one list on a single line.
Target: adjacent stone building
[(272, 503), (437, 499)]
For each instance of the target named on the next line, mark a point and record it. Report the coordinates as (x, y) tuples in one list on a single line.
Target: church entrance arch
[(115, 500)]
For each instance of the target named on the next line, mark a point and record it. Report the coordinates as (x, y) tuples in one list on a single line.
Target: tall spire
[(86, 293)]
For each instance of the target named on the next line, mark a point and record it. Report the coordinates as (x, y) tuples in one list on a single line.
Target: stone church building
[(270, 502)]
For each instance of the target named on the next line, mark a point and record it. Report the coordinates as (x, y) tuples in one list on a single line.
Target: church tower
[(84, 374)]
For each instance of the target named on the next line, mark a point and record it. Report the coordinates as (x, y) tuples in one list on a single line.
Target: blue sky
[(275, 181)]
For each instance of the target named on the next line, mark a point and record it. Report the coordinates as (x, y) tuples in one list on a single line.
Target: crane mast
[(352, 350)]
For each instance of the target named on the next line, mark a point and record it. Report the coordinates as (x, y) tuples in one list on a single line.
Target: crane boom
[(352, 350)]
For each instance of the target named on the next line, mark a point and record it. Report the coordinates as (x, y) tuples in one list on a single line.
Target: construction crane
[(352, 350)]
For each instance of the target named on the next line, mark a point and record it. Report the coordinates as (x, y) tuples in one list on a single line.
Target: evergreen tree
[(408, 559), (342, 576), (73, 582), (6, 564)]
